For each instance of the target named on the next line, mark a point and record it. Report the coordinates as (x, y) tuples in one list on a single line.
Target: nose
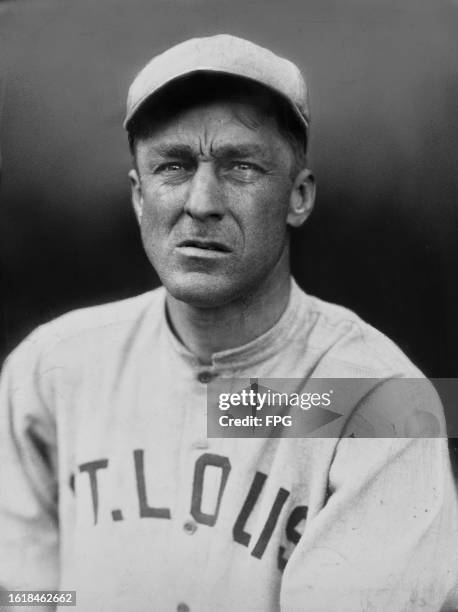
[(204, 199)]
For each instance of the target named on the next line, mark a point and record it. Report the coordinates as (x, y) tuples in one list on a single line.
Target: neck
[(205, 331)]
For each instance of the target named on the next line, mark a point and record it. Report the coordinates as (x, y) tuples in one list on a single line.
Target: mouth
[(205, 245)]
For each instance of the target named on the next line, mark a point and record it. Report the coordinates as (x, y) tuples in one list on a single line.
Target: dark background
[(383, 78)]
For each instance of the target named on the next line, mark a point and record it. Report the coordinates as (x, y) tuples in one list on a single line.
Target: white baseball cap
[(224, 54)]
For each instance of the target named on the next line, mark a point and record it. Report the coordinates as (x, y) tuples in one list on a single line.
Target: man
[(109, 484)]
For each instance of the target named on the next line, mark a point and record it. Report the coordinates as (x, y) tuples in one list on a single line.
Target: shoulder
[(387, 396), (344, 343), (90, 329)]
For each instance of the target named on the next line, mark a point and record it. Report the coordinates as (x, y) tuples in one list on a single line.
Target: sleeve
[(386, 539), (28, 479)]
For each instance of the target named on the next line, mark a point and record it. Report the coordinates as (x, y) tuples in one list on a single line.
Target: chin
[(201, 290)]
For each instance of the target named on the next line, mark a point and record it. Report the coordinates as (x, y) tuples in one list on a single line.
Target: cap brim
[(208, 69)]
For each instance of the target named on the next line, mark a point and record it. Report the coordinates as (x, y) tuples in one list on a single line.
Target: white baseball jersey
[(110, 487)]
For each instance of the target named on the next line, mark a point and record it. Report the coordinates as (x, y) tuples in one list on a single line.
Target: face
[(213, 193)]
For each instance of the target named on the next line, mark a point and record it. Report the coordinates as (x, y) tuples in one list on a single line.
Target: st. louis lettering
[(199, 474), (91, 468), (145, 509), (269, 527), (209, 516), (238, 533), (292, 535)]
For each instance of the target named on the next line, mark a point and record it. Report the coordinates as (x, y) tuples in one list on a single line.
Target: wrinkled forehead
[(217, 120)]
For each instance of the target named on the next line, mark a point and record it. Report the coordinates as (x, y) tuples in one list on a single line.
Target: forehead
[(238, 121)]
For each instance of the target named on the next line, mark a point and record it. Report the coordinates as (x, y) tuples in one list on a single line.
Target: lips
[(208, 245)]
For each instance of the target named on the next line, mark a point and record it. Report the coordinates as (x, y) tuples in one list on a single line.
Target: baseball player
[(109, 485)]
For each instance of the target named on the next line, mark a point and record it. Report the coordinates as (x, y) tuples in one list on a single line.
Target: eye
[(244, 170), (245, 166), (173, 167)]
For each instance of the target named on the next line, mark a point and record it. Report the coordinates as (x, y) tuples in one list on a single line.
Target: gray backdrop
[(383, 79)]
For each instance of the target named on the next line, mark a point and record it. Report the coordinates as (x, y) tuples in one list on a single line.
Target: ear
[(136, 194), (302, 198)]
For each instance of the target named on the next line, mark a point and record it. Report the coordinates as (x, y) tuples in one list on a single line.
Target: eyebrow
[(242, 151), (183, 151), (177, 150)]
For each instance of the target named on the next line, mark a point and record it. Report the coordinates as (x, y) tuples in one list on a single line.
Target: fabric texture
[(110, 487)]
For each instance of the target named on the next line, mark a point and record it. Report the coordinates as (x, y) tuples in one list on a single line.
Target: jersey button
[(205, 377), (182, 607), (190, 527)]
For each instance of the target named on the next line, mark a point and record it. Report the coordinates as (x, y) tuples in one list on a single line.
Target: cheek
[(265, 220), (160, 211)]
